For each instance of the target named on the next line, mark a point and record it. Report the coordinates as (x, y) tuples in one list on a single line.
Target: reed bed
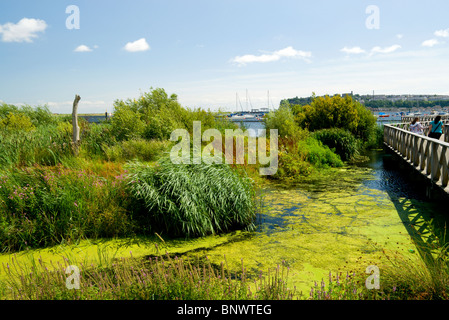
[(153, 278)]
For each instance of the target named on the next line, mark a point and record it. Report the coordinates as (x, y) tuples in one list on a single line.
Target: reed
[(43, 206), (192, 200), (417, 279), (153, 278), (44, 146)]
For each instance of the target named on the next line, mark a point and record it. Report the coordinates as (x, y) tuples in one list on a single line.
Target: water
[(340, 221), (258, 128)]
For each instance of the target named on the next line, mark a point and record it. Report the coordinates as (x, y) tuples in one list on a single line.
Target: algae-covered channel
[(339, 221)]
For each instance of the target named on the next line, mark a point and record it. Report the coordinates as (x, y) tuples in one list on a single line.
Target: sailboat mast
[(268, 100)]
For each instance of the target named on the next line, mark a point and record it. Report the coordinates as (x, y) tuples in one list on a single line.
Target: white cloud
[(136, 46), (390, 49), (442, 33), (430, 43), (249, 58), (83, 48), (288, 52), (399, 36), (353, 50), (377, 49), (23, 31)]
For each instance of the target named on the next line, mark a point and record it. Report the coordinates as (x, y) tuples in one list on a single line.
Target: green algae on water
[(331, 223)]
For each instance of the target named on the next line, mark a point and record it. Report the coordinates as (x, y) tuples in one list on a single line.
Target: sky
[(218, 54)]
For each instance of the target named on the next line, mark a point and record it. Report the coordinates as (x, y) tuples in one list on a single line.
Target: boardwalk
[(428, 156)]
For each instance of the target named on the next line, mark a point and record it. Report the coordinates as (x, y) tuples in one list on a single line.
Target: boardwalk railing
[(422, 118), (425, 124), (428, 156)]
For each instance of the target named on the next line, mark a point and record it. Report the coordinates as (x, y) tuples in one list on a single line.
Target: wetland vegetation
[(140, 227)]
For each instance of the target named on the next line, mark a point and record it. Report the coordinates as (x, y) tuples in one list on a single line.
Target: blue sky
[(207, 51)]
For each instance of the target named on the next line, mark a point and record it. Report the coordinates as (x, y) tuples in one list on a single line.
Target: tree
[(283, 120), (336, 112), (126, 123), (154, 115)]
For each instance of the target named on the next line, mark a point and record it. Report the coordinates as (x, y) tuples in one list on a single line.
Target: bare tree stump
[(76, 128)]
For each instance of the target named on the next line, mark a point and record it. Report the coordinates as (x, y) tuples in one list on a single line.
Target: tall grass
[(157, 278), (192, 200), (142, 150), (42, 206), (44, 146), (417, 279)]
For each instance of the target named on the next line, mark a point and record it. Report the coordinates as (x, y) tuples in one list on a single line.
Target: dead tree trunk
[(76, 128)]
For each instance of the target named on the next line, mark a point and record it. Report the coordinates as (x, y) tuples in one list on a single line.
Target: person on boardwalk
[(416, 126), (436, 128)]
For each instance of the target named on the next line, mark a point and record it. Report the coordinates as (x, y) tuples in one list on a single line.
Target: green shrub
[(367, 125), (208, 121), (376, 139), (6, 109), (126, 123), (143, 150), (155, 115), (292, 166), (283, 120), (160, 126), (38, 116), (16, 122), (341, 141), (95, 139), (337, 112), (192, 200), (318, 154)]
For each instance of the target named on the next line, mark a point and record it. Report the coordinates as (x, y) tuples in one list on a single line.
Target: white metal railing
[(425, 124), (428, 156), (426, 118)]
